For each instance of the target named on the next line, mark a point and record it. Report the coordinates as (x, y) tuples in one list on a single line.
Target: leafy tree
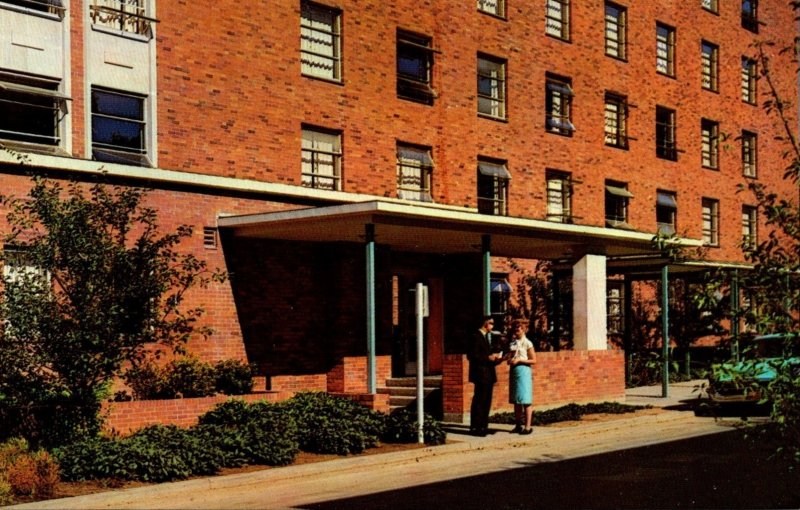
[(773, 285), (90, 284)]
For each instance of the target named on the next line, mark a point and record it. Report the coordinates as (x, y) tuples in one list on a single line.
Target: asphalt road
[(725, 471)]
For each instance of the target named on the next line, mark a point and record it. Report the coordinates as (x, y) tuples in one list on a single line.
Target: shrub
[(569, 412), (190, 377), (328, 424), (147, 381), (5, 492), (34, 474), (25, 473), (155, 454), (259, 433), (234, 377), (402, 427)]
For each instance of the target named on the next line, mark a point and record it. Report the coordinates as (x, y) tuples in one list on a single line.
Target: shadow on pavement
[(726, 471)]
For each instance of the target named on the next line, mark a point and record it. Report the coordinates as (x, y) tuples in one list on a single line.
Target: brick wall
[(558, 378)]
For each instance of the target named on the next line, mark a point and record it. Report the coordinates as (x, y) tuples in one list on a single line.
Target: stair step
[(405, 391), (431, 381)]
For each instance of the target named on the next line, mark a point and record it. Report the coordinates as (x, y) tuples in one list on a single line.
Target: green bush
[(569, 412), (328, 424), (259, 433), (190, 377), (153, 454), (402, 427), (147, 381), (234, 377)]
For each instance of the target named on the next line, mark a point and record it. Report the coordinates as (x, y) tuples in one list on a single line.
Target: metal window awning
[(620, 192), (493, 170), (501, 286), (428, 228), (561, 88), (36, 91), (666, 200), (422, 156)]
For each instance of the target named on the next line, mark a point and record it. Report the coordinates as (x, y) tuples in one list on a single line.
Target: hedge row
[(236, 433)]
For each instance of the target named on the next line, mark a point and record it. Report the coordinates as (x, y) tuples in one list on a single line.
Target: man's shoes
[(516, 430), (479, 432), (525, 432)]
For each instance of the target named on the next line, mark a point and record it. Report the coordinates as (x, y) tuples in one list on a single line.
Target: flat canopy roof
[(441, 230)]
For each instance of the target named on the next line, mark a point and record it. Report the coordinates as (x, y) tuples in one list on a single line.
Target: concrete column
[(589, 303)]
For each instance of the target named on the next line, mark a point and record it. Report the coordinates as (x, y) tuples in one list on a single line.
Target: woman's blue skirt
[(521, 385)]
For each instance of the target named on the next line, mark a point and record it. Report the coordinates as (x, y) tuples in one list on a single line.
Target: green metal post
[(370, 238), (627, 334), (486, 248), (665, 329)]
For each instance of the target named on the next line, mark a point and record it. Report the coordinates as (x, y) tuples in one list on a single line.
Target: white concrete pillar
[(589, 303)]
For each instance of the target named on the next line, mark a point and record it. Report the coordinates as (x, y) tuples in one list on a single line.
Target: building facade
[(332, 154)]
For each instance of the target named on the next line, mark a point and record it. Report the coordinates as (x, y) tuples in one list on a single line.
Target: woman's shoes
[(525, 432)]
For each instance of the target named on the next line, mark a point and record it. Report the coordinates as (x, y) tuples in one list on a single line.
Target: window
[(750, 15), (557, 19), (749, 80), (616, 38), (665, 134), (118, 128), (709, 134), (493, 180), (496, 7), (491, 87), (710, 5), (665, 50), (617, 197), (414, 168), (615, 321), (321, 165), (320, 51), (124, 15), (414, 66), (558, 106), (666, 209), (710, 222), (616, 120), (749, 227), (709, 57), (49, 6), (749, 154), (500, 297), (559, 196), (31, 110)]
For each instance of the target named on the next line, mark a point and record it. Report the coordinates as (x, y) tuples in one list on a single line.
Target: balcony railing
[(124, 15)]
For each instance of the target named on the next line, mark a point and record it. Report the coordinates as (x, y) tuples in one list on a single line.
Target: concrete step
[(408, 391), (430, 381)]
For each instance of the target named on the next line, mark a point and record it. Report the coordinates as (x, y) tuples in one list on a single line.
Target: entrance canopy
[(442, 229)]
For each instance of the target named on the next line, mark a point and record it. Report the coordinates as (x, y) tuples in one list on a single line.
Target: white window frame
[(710, 210), (321, 158), (320, 41), (414, 173), (491, 86)]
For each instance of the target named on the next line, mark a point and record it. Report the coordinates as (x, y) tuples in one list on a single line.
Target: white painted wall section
[(589, 303)]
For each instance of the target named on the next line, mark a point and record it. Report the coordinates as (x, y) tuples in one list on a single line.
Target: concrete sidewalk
[(464, 455)]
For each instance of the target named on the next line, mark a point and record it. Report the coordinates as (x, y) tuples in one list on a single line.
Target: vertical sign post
[(421, 311)]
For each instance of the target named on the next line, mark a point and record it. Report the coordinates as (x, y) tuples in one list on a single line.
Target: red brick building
[(332, 154)]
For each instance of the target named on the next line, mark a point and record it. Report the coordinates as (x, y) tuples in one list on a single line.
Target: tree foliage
[(773, 285), (90, 284)]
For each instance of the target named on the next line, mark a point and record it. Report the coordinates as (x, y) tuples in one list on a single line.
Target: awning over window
[(666, 200), (493, 170), (26, 89), (561, 88), (620, 192), (422, 156), (501, 286)]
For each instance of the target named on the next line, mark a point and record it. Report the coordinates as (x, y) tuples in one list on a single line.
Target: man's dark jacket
[(481, 370)]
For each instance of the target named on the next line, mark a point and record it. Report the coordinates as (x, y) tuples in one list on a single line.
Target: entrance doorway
[(405, 325)]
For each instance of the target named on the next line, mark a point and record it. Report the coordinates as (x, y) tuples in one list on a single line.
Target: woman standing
[(521, 359)]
